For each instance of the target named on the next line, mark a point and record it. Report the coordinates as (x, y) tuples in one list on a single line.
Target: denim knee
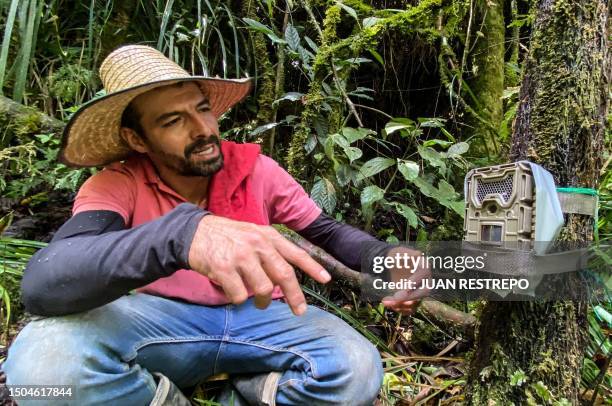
[(44, 353), (360, 362), (66, 351), (348, 368)]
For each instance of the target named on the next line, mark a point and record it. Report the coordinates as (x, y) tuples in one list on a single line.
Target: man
[(184, 220)]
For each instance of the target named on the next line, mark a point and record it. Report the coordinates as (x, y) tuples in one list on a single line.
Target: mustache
[(199, 143)]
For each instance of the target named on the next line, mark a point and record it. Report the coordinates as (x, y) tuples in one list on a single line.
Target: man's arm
[(93, 259), (344, 242)]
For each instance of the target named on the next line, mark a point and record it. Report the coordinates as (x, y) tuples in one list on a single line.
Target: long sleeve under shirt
[(62, 279)]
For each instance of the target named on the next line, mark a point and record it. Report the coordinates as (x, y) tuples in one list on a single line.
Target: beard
[(187, 166)]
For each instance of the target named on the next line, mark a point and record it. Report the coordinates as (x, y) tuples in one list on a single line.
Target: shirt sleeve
[(111, 189), (285, 200)]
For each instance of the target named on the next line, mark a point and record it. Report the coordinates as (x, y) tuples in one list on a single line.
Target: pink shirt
[(134, 190)]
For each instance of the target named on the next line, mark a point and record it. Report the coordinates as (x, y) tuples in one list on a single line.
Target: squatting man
[(159, 278)]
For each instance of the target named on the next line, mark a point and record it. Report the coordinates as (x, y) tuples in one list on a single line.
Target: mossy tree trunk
[(488, 68), (560, 125)]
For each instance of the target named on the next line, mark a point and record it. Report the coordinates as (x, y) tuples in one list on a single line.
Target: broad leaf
[(324, 195), (353, 153), (370, 21), (349, 10), (339, 140), (432, 156), (375, 165), (320, 125), (356, 134), (409, 169), (262, 129), (291, 96), (311, 143), (377, 56), (447, 191), (257, 26), (399, 123), (436, 141), (370, 195), (343, 174), (458, 149), (408, 214), (311, 44), (431, 122), (292, 37)]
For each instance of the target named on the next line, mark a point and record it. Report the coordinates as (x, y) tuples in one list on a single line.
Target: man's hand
[(239, 255), (406, 301)]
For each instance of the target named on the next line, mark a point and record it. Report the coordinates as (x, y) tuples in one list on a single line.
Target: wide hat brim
[(92, 136)]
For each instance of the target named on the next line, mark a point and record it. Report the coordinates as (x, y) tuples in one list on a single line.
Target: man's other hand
[(406, 301), (239, 255)]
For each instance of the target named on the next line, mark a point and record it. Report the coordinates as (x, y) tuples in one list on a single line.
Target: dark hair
[(131, 119)]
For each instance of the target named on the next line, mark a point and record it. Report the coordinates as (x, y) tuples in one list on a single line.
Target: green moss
[(487, 84), (265, 71)]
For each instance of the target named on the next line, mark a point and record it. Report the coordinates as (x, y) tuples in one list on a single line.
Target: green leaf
[(421, 235), (542, 391), (370, 21), (320, 125), (324, 195), (431, 122), (311, 44), (328, 148), (311, 143), (409, 169), (432, 156), (370, 195), (447, 191), (291, 96), (425, 187), (262, 129), (351, 11), (339, 140), (375, 165), (292, 37), (344, 174), (408, 214), (356, 134), (436, 141), (458, 149), (257, 26), (377, 56), (397, 124), (353, 153), (518, 378)]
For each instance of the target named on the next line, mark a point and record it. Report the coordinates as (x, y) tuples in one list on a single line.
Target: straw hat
[(91, 137)]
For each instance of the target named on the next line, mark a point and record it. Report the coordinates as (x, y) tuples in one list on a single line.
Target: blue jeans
[(109, 353)]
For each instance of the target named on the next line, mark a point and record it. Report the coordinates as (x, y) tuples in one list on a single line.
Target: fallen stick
[(440, 314)]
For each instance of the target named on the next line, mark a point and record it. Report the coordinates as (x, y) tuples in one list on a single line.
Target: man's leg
[(322, 360), (109, 353)]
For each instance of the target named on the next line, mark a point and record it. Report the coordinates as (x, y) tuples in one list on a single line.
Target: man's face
[(180, 131)]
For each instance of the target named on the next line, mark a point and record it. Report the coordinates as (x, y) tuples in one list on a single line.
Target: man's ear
[(133, 140)]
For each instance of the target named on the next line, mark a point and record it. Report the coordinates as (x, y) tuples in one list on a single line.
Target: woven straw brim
[(92, 136)]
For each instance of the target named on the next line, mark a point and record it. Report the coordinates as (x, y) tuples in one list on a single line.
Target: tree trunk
[(488, 82), (560, 125)]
